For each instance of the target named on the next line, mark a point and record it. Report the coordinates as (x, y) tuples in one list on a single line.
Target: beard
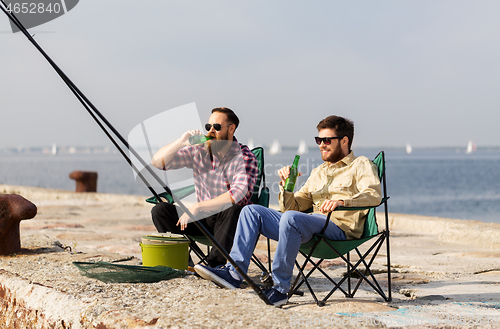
[(217, 143), (334, 156)]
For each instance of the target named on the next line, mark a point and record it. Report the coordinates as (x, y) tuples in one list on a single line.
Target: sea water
[(432, 182)]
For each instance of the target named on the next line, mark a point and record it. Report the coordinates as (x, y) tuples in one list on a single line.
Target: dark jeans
[(221, 225)]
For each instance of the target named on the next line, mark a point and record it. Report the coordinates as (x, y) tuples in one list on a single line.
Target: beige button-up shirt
[(352, 179)]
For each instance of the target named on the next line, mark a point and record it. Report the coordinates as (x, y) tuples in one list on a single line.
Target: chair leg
[(354, 268), (269, 261), (389, 282), (296, 286), (196, 249), (259, 264), (265, 276), (363, 276), (301, 272), (366, 275), (349, 277)]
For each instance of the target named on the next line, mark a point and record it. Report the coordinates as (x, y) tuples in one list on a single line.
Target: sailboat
[(471, 147), (53, 151), (275, 147), (303, 149), (250, 143), (409, 149)]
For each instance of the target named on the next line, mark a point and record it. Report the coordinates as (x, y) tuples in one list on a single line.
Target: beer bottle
[(294, 172), (199, 139)]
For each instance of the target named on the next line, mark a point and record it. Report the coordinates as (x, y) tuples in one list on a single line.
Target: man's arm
[(368, 185), (166, 153)]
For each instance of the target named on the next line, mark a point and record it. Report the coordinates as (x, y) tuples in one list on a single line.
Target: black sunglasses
[(326, 140), (217, 126)]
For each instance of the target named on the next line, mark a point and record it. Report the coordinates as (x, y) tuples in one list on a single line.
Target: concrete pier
[(446, 274)]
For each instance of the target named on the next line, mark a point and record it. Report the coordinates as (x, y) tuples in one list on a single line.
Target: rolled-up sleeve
[(182, 159)]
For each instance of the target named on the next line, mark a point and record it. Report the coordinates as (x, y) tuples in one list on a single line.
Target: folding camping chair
[(260, 196), (321, 247)]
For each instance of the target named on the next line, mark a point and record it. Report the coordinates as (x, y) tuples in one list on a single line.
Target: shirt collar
[(346, 161)]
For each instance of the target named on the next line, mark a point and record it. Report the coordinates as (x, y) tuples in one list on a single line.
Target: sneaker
[(275, 297), (219, 275)]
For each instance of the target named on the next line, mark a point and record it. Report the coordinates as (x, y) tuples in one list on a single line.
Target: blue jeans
[(290, 229)]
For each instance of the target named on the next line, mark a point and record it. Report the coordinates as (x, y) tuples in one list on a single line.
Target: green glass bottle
[(199, 139), (294, 172)]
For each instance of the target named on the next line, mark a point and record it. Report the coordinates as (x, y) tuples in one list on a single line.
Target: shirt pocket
[(341, 184), (319, 192)]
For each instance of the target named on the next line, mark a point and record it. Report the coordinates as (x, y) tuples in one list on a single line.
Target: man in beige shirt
[(342, 180)]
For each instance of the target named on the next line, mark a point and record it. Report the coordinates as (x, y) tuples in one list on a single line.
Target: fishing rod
[(75, 91), (85, 102), (104, 124), (68, 82)]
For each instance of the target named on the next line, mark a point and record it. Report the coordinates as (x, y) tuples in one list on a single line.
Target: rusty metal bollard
[(13, 209), (86, 181)]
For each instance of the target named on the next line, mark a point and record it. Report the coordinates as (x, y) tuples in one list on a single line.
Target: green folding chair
[(260, 196), (322, 248)]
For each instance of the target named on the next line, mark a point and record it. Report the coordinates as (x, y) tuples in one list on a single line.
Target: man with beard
[(225, 173), (342, 180)]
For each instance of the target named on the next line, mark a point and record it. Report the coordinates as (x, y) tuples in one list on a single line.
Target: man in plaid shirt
[(225, 173)]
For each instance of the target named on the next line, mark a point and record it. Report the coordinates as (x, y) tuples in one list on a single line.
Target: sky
[(419, 72)]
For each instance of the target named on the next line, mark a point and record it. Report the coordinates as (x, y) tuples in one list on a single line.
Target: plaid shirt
[(236, 174)]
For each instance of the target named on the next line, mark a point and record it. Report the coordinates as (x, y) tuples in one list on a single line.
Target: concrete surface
[(445, 275)]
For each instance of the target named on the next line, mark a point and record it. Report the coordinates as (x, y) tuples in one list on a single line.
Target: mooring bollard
[(13, 209), (86, 181)]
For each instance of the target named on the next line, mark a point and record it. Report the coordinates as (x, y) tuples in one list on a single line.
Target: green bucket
[(166, 251)]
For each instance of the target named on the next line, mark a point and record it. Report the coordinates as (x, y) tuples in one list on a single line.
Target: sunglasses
[(217, 126), (326, 140)]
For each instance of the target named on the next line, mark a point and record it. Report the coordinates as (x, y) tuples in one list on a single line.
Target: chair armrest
[(181, 193), (164, 195), (384, 200)]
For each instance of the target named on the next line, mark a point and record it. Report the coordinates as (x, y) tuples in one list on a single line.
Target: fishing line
[(100, 119)]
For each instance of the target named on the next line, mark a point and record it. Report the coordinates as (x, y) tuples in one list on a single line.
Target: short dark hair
[(342, 126), (231, 117)]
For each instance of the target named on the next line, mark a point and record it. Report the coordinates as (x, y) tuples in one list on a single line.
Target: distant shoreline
[(66, 149)]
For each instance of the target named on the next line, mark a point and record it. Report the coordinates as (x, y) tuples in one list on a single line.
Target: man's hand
[(185, 219), (184, 140), (284, 173), (330, 205)]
